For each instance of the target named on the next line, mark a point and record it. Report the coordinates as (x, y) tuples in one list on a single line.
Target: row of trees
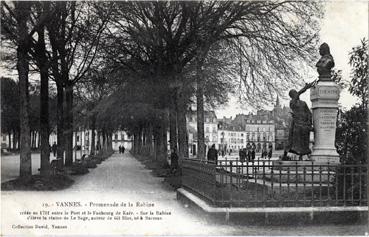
[(10, 113), (138, 66)]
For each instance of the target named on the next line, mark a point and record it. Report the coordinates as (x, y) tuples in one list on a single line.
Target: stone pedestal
[(324, 97)]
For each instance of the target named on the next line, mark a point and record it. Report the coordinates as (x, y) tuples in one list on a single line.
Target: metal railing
[(268, 183)]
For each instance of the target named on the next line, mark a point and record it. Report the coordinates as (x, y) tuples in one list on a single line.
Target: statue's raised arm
[(306, 87)]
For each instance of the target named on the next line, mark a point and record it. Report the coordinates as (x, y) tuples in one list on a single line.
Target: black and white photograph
[(184, 118)]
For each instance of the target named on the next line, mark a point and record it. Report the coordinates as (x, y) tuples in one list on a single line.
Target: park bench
[(55, 166), (84, 156)]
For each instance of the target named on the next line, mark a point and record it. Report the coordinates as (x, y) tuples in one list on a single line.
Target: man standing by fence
[(213, 154), (54, 148)]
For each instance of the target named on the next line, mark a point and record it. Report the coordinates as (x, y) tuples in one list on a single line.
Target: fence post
[(215, 185), (230, 183)]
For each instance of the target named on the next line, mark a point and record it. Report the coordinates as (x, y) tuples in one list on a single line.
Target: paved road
[(122, 179)]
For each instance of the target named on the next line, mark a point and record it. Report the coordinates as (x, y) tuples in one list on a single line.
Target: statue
[(301, 125), (325, 63)]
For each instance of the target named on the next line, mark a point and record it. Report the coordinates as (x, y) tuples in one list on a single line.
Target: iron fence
[(268, 183)]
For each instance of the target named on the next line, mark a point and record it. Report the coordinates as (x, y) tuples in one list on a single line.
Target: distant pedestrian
[(213, 154), (253, 148), (123, 149), (248, 151), (270, 151), (242, 155), (54, 148), (264, 152), (120, 149)]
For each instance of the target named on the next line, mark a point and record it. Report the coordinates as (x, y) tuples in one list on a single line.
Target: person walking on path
[(54, 149), (213, 154), (123, 149)]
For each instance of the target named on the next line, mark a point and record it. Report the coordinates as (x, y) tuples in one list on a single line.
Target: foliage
[(352, 135), (9, 105), (352, 131), (359, 73)]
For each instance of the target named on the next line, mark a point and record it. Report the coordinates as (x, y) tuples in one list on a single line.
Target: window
[(207, 129), (77, 138), (116, 136)]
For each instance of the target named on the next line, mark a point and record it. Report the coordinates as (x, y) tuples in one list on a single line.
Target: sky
[(344, 24)]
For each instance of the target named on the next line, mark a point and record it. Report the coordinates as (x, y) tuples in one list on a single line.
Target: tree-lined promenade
[(138, 66)]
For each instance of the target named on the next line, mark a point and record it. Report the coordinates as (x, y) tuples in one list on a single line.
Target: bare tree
[(75, 33), (22, 13)]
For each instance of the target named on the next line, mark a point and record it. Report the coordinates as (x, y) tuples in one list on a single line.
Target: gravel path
[(122, 179)]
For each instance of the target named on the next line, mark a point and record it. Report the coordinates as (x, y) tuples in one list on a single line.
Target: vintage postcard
[(175, 118)]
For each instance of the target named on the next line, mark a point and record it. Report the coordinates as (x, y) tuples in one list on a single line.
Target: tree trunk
[(23, 13), (136, 141), (93, 128), (44, 103), (182, 126), (69, 124), (10, 141), (32, 140), (200, 112), (15, 138), (18, 140), (149, 140), (139, 144), (99, 143), (39, 140), (156, 141), (60, 122), (161, 142), (173, 126), (104, 141), (164, 144)]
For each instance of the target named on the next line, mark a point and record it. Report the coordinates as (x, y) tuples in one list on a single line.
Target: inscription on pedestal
[(327, 119), (325, 92)]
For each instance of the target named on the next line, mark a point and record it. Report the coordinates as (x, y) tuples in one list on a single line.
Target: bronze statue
[(325, 63), (301, 125)]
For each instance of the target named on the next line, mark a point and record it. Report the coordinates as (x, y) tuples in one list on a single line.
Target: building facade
[(210, 131), (246, 129)]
